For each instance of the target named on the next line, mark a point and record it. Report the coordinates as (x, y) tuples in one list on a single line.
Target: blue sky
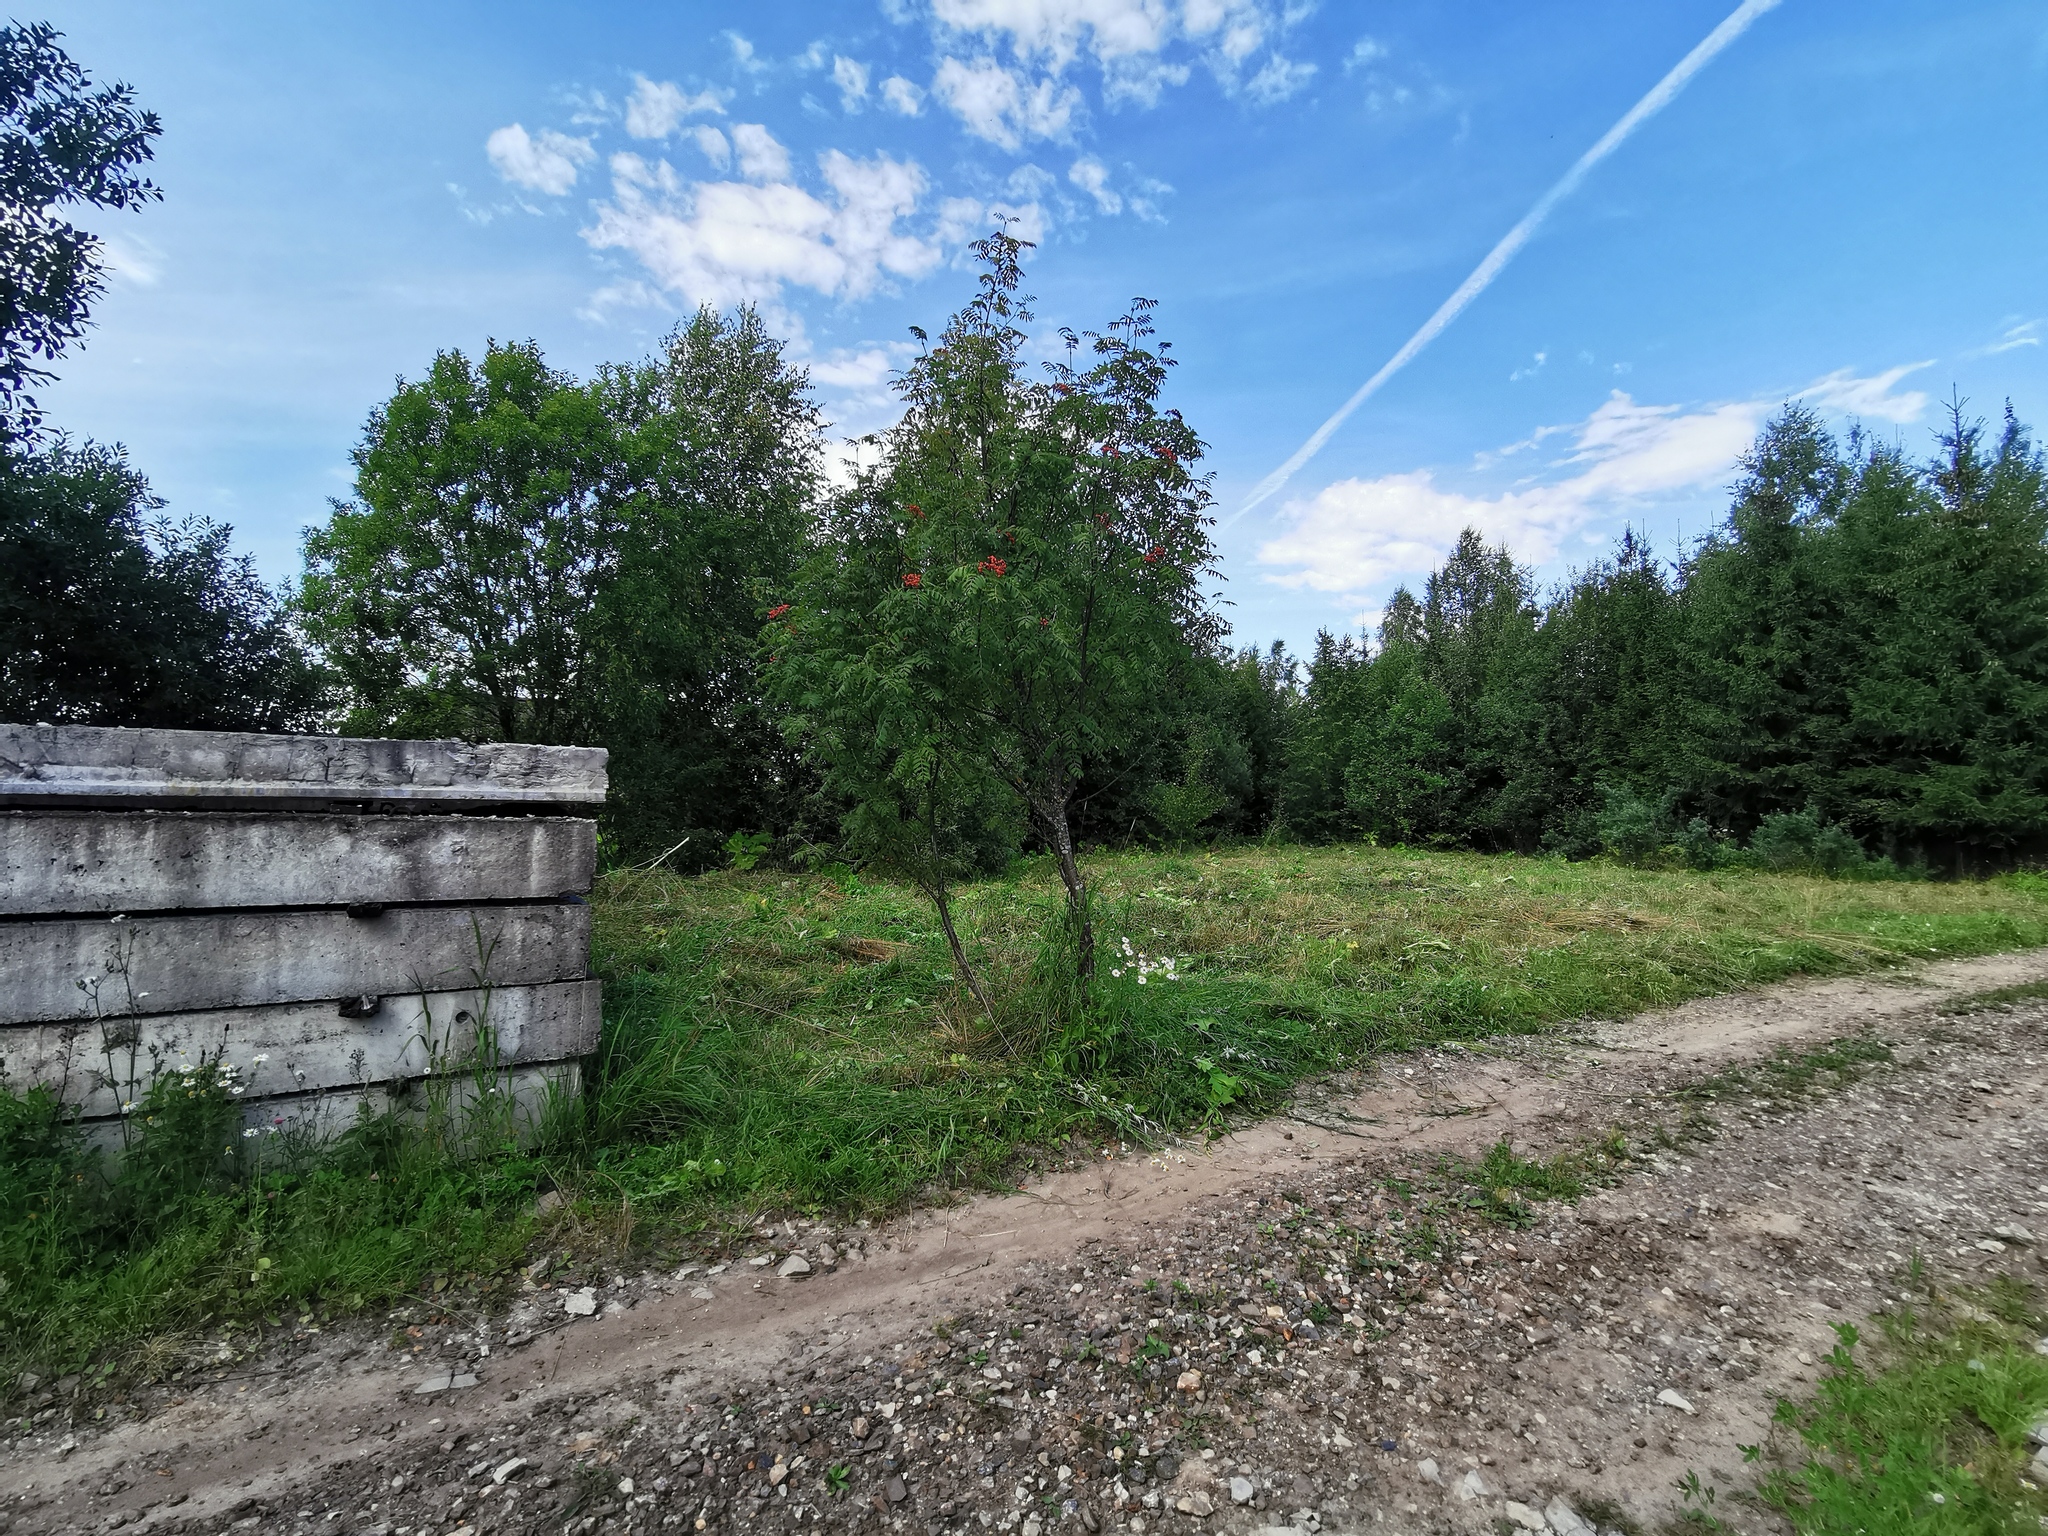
[(1848, 205)]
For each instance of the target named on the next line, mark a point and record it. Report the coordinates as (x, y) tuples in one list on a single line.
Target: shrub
[(1699, 844), (1836, 852), (1800, 840), (1629, 827), (50, 1184), (1785, 840)]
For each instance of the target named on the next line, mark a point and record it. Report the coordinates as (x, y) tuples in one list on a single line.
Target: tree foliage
[(532, 557), (111, 614), (63, 142), (1855, 659), (1008, 598)]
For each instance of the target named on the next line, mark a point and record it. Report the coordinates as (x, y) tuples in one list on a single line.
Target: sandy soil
[(1300, 1327)]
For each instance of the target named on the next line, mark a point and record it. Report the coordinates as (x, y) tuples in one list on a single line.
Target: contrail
[(1483, 275)]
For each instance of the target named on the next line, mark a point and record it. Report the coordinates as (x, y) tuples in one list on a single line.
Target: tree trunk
[(937, 892), (1062, 837)]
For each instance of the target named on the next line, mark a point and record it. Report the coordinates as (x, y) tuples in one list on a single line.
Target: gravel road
[(1309, 1325)]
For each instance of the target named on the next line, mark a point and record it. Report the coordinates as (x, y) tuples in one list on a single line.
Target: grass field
[(781, 1041), (748, 1031)]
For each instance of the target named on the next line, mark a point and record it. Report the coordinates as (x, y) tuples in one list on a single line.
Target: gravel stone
[(1104, 1378)]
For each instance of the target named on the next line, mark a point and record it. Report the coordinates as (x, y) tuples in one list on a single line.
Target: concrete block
[(177, 962), (43, 765), (287, 1049), (109, 861), (516, 1101)]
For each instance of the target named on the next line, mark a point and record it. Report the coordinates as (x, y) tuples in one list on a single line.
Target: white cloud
[(724, 242), (761, 157), (1845, 393), (1092, 177), (1001, 105), (851, 76), (626, 293), (1534, 368), (902, 96), (590, 108), (657, 107), (1384, 92), (1357, 534), (1367, 50), (1631, 451), (1278, 78), (859, 384), (962, 219), (546, 163), (1141, 80), (861, 372), (1057, 30), (712, 145), (1030, 181), (1133, 42), (1025, 220), (131, 259), (845, 457), (1235, 32), (2025, 334), (743, 53)]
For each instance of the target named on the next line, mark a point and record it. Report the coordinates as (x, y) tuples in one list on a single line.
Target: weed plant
[(185, 1214), (1932, 1436), (780, 1041)]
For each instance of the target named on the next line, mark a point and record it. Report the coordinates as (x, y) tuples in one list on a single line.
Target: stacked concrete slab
[(346, 922)]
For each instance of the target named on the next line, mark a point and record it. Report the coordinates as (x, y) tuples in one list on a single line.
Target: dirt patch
[(1303, 1326)]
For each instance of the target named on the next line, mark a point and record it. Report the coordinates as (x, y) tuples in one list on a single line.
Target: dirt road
[(1306, 1326)]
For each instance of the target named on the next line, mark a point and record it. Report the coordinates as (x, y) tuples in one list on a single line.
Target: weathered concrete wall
[(43, 765), (77, 861), (309, 1047), (179, 961), (343, 921)]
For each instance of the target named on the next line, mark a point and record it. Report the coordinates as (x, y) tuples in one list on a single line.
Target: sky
[(1844, 204)]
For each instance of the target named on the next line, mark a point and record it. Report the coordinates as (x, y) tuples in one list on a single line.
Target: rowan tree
[(1008, 594)]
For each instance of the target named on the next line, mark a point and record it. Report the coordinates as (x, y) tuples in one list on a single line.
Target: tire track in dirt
[(208, 1452)]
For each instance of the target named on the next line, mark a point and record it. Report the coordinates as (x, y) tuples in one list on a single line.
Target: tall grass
[(748, 1025), (783, 1041)]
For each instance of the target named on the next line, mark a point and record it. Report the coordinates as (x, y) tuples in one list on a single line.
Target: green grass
[(1998, 997), (1787, 1077), (1933, 1439), (774, 1041), (741, 1030), (1503, 1182)]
